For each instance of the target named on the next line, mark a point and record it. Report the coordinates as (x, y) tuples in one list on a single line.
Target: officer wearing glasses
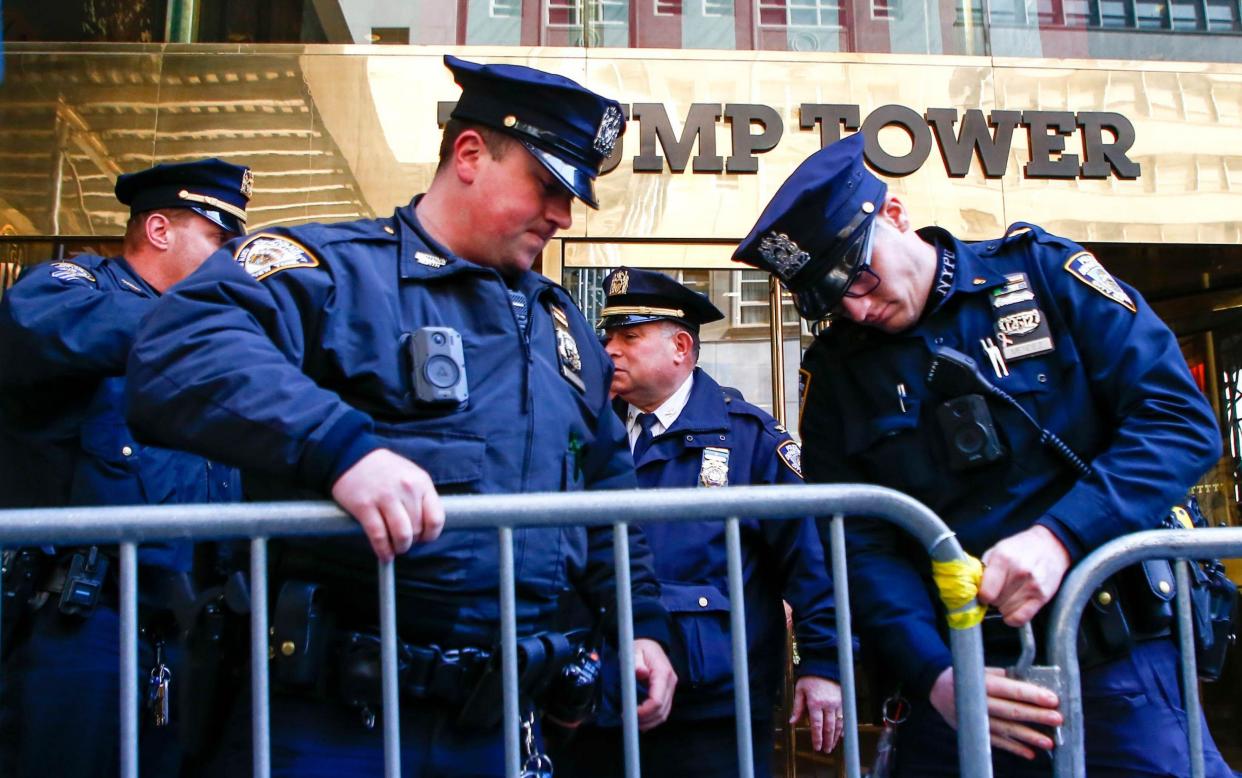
[(1083, 357)]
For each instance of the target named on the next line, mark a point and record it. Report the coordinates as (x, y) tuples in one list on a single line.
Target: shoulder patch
[(263, 255), (1086, 268), (70, 271), (791, 455)]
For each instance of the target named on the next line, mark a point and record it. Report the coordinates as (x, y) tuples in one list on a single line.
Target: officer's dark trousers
[(62, 705), (675, 749), (315, 738), (1135, 726)]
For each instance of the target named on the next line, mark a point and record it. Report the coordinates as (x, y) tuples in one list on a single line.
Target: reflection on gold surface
[(343, 132)]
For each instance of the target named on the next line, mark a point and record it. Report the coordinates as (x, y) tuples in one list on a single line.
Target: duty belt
[(311, 657)]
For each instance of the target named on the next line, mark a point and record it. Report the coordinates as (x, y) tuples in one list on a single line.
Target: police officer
[(1077, 351), (386, 362), (688, 431), (66, 329)]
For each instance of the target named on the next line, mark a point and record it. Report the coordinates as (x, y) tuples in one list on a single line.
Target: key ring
[(895, 710)]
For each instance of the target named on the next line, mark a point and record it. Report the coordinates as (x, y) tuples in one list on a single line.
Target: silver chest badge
[(714, 469)]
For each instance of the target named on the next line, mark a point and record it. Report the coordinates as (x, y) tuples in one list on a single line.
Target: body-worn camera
[(439, 366), (969, 432)]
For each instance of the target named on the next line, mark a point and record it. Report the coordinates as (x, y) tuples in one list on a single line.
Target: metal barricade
[(1180, 545), (130, 526)]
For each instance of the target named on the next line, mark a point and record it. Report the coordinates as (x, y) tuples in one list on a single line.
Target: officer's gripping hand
[(651, 666), (394, 501), (1022, 573), (1013, 706), (821, 701)]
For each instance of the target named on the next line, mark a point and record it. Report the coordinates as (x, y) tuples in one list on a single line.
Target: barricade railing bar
[(1088, 575), (131, 526)]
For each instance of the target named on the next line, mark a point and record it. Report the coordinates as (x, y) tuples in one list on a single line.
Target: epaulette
[(381, 230)]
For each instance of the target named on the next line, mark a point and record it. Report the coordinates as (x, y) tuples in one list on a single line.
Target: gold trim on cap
[(214, 203), (641, 310)]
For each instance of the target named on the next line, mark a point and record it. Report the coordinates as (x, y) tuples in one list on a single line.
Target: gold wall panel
[(337, 132)]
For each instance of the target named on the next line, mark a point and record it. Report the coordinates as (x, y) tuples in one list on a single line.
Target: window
[(717, 7), (668, 7), (568, 14), (564, 13), (504, 9), (883, 9), (609, 13), (799, 13), (751, 296), (1222, 15)]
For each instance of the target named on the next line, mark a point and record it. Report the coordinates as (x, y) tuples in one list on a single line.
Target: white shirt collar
[(666, 414)]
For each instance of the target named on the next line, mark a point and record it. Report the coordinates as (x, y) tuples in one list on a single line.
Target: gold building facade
[(979, 115)]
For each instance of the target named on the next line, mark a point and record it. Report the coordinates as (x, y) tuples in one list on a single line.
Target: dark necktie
[(646, 421)]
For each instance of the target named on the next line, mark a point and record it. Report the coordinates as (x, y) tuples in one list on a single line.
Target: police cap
[(638, 296), (815, 234), (568, 128), (215, 189)]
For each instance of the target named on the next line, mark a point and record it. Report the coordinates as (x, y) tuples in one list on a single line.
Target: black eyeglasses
[(866, 282)]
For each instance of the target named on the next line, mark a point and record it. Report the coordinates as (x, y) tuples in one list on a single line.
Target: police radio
[(438, 366)]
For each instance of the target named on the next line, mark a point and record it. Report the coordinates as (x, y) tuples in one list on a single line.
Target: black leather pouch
[(299, 635)]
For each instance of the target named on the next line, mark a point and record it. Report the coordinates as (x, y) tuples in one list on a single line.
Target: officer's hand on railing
[(820, 699), (394, 501), (1022, 573), (1013, 706), (651, 667)]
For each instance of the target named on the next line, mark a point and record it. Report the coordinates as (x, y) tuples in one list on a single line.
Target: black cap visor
[(579, 182), (819, 297), (220, 218), (632, 319)]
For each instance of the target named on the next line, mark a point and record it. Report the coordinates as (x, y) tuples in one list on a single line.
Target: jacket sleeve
[(607, 464), (217, 370), (889, 600), (56, 323), (1165, 434), (798, 553)]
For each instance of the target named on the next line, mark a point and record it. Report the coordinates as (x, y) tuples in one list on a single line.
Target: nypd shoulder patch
[(70, 271), (791, 455), (1087, 268), (263, 255)]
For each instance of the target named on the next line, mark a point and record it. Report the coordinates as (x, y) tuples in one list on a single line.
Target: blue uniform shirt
[(287, 353), (1111, 382), (66, 329), (718, 432)]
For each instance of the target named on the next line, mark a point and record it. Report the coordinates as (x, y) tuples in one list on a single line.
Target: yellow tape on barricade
[(958, 582)]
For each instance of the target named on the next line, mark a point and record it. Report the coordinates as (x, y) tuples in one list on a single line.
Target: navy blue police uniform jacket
[(1113, 386), (779, 558), (287, 353), (66, 329)]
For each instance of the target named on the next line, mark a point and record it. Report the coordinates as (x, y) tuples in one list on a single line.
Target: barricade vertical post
[(845, 645), (129, 660), (260, 711), (508, 652), (1077, 589), (974, 748), (388, 658), (1190, 673), (737, 630), (625, 647)]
